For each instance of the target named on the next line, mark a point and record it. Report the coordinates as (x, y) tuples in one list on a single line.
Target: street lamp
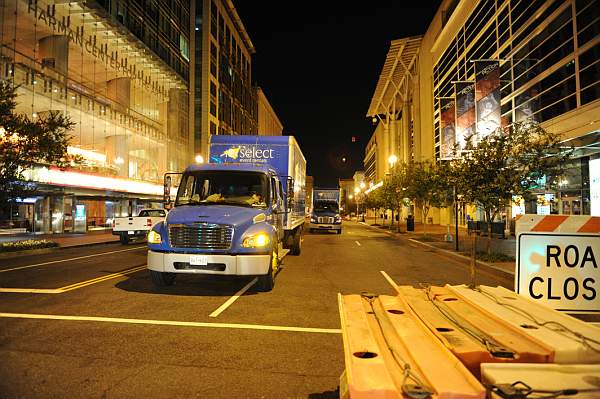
[(199, 159), (392, 160)]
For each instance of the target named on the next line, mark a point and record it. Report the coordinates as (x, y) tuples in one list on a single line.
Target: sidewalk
[(435, 237), (67, 239)]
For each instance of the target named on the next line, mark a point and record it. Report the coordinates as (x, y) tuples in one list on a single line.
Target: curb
[(41, 251), (464, 259)]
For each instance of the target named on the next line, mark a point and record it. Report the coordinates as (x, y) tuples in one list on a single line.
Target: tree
[(394, 189), (374, 200), (429, 185), (510, 161), (25, 143)]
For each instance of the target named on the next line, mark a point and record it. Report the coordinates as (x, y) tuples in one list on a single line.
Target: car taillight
[(149, 222)]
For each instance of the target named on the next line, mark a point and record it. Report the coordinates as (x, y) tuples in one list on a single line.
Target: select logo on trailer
[(247, 153)]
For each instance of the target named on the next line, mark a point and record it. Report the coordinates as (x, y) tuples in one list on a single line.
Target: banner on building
[(487, 96), (447, 130), (465, 114)]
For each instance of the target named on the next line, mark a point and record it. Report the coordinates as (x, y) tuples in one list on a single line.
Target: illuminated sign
[(72, 178)]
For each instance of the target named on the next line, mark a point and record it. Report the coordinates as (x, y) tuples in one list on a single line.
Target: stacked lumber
[(458, 342)]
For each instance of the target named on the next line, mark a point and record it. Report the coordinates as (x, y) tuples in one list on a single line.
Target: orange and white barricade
[(558, 261)]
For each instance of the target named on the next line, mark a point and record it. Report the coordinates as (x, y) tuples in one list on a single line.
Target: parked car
[(129, 227)]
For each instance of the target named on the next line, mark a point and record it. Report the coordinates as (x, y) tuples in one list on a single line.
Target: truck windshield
[(247, 189), (331, 206)]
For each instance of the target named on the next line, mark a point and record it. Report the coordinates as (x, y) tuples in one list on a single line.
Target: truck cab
[(325, 214), (227, 219)]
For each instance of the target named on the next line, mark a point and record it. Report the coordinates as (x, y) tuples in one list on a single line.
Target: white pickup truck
[(137, 226)]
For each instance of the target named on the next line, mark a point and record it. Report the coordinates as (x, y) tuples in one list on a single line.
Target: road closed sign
[(558, 261)]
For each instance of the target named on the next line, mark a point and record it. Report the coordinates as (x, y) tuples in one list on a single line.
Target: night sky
[(318, 64)]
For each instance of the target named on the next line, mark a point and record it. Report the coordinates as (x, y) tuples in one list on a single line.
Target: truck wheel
[(267, 282), (124, 239), (297, 245), (162, 279)]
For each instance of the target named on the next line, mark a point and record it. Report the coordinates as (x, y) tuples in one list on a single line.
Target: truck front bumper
[(325, 226), (237, 265)]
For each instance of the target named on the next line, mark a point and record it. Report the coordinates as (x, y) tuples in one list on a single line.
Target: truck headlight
[(338, 218), (259, 240), (154, 237)]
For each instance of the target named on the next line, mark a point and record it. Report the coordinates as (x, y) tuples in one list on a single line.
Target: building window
[(184, 47)]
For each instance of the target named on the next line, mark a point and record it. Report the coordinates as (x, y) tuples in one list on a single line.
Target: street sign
[(558, 261)]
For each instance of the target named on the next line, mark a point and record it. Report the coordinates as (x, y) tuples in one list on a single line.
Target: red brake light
[(149, 222)]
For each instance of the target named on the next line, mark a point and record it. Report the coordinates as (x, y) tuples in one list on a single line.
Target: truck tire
[(161, 279), (267, 282), (124, 239), (297, 245)]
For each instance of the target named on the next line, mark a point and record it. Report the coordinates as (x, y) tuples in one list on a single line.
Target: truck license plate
[(198, 260)]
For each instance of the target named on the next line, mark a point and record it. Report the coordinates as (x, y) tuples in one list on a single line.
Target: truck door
[(278, 208)]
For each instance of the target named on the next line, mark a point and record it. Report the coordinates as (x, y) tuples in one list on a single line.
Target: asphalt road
[(88, 323)]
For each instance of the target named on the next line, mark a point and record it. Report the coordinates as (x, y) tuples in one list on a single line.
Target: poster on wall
[(447, 122), (487, 96), (465, 114)]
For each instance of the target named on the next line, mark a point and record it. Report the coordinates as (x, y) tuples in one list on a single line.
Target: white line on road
[(75, 286), (171, 323), (233, 298), (70, 259), (357, 243), (389, 279), (32, 290)]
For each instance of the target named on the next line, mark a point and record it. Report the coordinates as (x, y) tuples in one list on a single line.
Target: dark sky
[(318, 64)]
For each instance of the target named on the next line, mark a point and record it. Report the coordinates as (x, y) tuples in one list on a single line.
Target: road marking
[(233, 298), (75, 286), (70, 259), (31, 290), (389, 279), (357, 243), (171, 323), (96, 280)]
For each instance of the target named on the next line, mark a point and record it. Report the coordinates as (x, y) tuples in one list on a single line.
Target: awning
[(395, 74)]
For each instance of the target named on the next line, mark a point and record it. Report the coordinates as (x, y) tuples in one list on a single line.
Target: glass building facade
[(549, 52), (120, 71)]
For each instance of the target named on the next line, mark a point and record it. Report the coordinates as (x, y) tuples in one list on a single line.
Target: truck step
[(282, 253)]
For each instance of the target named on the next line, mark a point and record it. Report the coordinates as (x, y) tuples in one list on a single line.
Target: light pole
[(356, 192)]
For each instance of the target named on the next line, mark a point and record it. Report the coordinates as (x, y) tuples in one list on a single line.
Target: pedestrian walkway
[(435, 235), (67, 239)]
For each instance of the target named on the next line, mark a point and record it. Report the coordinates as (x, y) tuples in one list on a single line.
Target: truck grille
[(325, 219), (201, 236)]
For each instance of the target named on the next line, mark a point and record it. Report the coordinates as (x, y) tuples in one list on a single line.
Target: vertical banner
[(465, 114), (487, 96), (447, 123)]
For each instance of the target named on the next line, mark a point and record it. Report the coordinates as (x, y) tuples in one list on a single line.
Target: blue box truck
[(238, 215)]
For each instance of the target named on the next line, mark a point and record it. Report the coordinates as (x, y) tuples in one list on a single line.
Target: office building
[(268, 122), (549, 72), (121, 72), (225, 100)]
